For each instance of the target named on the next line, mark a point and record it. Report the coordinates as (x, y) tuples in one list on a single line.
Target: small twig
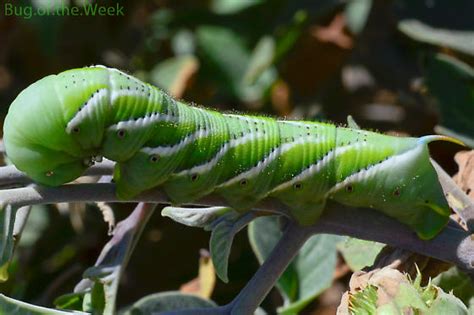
[(21, 218), (10, 175), (115, 255)]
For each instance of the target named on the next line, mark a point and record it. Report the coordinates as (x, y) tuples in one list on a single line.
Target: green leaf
[(183, 42), (447, 303), (229, 63), (223, 233), (12, 306), (232, 6), (359, 253), (462, 41), (451, 82), (227, 58), (98, 299), (356, 13), (173, 74), (166, 301), (310, 273), (196, 217), (7, 221), (71, 301), (12, 223), (261, 59), (456, 281)]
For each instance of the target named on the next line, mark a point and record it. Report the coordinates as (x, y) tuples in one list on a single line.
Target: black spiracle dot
[(349, 188), (194, 177), (121, 133), (297, 186), (154, 158), (243, 182), (396, 192), (76, 129)]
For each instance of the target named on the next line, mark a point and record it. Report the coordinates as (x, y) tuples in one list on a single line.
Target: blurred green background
[(398, 66)]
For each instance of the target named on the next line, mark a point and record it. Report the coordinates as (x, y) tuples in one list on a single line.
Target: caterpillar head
[(39, 139)]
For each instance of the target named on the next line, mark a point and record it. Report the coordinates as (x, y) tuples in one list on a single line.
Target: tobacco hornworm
[(61, 124)]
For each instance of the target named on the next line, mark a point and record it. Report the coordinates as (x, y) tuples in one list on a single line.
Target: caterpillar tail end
[(431, 138)]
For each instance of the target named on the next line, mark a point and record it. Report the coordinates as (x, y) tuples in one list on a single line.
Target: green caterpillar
[(63, 123)]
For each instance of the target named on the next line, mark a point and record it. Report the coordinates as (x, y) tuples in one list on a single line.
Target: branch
[(10, 175), (453, 244)]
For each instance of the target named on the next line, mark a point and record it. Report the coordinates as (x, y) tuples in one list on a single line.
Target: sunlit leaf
[(356, 13), (173, 74), (196, 217), (12, 306), (462, 41), (359, 253), (232, 6)]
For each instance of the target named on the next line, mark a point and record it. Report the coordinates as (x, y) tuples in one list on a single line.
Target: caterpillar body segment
[(58, 126)]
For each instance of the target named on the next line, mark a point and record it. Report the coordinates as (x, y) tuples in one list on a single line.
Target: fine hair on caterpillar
[(61, 124)]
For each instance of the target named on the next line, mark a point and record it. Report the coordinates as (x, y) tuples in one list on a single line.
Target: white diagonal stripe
[(315, 168), (206, 167), (88, 109), (275, 154), (142, 122), (375, 168), (173, 149)]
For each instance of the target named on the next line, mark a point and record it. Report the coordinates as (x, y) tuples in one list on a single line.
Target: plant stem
[(252, 295)]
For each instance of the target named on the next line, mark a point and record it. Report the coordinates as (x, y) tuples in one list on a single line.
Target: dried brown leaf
[(204, 283), (465, 176)]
